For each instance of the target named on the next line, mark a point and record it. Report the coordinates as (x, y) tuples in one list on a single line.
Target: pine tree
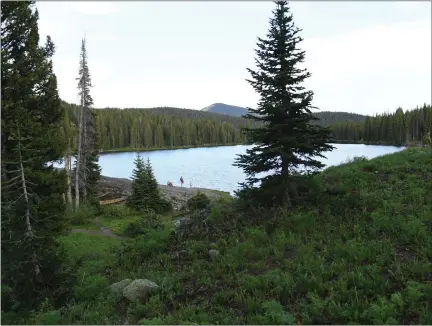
[(86, 162), (136, 199), (152, 191), (92, 167), (288, 139), (32, 191), (145, 192)]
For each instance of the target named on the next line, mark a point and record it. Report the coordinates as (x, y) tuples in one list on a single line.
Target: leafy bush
[(116, 211), (135, 251), (150, 220), (163, 206), (84, 215), (198, 201)]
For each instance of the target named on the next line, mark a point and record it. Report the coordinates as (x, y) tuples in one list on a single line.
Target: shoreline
[(341, 142), (132, 150), (113, 188)]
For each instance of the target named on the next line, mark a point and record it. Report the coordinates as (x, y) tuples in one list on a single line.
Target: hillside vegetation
[(165, 127), (350, 245), (398, 128), (359, 253), (327, 118)]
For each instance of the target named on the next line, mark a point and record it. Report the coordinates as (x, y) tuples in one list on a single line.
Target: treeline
[(162, 128), (328, 118), (168, 127), (397, 128)]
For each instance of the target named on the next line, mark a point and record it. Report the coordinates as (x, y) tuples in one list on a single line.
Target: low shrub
[(84, 215), (150, 220), (198, 201)]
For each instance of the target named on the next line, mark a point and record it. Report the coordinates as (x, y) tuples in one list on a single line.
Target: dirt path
[(103, 231)]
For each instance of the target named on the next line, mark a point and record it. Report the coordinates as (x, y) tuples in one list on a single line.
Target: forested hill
[(162, 127), (168, 127), (327, 118)]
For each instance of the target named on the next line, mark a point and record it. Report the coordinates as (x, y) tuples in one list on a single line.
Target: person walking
[(181, 181)]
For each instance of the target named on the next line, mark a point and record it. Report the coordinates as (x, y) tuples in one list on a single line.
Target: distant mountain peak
[(221, 108)]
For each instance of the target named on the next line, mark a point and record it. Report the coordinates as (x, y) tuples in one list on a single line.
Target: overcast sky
[(365, 57)]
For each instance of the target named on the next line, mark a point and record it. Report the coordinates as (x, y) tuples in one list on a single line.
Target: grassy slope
[(362, 256)]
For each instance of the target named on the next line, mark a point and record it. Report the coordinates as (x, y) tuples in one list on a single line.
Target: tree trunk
[(29, 229), (68, 172), (79, 154), (285, 175), (84, 161)]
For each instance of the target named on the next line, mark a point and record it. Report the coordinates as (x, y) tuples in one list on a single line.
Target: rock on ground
[(182, 223), (117, 288), (213, 253), (139, 289)]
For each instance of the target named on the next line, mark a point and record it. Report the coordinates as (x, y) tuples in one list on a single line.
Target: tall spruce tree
[(137, 198), (145, 192), (288, 140), (87, 170), (31, 190)]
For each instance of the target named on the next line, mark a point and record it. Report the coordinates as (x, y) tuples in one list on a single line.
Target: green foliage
[(162, 128), (116, 211), (136, 251), (150, 221), (145, 193), (84, 216), (427, 140), (88, 135), (198, 201), (359, 255), (31, 190), (93, 175), (398, 128), (287, 139)]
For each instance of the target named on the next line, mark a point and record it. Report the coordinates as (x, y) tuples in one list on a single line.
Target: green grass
[(88, 248), (118, 217), (360, 254), (118, 225)]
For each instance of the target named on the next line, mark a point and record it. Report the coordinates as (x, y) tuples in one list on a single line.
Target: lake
[(211, 167)]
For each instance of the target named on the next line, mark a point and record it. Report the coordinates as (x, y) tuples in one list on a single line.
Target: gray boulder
[(139, 290), (182, 223), (117, 288), (213, 253)]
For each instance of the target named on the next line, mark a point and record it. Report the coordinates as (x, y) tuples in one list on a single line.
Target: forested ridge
[(168, 127), (398, 128), (162, 128)]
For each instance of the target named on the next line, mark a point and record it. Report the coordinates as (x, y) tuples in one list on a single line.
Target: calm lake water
[(211, 167)]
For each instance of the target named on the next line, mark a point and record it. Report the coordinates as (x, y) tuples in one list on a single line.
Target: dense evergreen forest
[(398, 128), (162, 128), (168, 127)]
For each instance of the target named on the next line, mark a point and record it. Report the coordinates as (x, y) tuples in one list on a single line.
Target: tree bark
[(29, 232), (85, 154), (68, 172), (79, 154), (29, 228), (285, 176)]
